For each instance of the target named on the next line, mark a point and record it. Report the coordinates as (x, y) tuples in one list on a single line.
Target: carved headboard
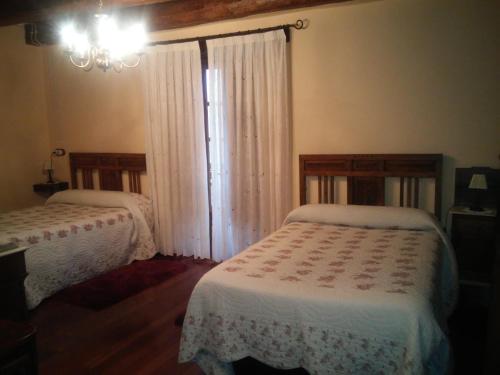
[(366, 177), (110, 168)]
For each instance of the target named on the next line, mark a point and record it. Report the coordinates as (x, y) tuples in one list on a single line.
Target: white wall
[(24, 134), (393, 76)]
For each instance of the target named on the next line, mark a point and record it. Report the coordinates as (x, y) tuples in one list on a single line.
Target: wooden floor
[(136, 335)]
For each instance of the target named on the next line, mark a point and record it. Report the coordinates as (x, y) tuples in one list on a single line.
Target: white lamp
[(477, 183)]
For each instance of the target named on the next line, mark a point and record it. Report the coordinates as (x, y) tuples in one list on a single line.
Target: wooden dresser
[(476, 238), (473, 234), (17, 348), (12, 275)]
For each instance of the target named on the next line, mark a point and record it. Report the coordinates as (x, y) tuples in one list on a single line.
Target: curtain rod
[(298, 25)]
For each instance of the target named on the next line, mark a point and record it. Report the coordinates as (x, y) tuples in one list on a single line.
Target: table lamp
[(477, 183), (48, 166), (49, 169)]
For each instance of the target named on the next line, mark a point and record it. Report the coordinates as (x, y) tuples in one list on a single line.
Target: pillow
[(357, 215), (99, 198)]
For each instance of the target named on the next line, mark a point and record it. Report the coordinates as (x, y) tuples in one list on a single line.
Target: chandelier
[(105, 45)]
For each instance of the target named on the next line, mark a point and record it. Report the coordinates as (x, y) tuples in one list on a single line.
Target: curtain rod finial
[(301, 24)]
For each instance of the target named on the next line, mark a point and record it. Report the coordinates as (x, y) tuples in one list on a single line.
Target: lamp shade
[(478, 181)]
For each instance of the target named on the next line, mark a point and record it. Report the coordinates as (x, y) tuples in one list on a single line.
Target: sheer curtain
[(249, 129), (176, 149)]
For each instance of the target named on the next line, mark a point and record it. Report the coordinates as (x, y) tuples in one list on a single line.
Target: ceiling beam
[(48, 10), (175, 14), (182, 13)]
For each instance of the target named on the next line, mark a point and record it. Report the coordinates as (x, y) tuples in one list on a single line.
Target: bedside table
[(50, 188), (473, 234), (12, 275), (17, 348)]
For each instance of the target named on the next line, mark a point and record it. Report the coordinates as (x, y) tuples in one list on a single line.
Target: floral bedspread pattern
[(69, 243), (328, 298)]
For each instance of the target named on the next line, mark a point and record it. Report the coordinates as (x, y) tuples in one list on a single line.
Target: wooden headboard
[(110, 168), (366, 176)]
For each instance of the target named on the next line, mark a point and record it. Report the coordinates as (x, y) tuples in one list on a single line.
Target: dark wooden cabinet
[(50, 188), (12, 275), (17, 348), (473, 237), (475, 324)]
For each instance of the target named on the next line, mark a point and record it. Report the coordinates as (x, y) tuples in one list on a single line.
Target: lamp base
[(50, 180), (476, 203)]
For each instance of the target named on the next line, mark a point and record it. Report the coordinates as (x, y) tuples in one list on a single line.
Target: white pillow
[(99, 198), (356, 215)]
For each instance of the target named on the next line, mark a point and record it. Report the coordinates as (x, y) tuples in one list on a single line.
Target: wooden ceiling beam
[(47, 10), (182, 13)]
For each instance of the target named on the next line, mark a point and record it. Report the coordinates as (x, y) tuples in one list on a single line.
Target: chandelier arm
[(139, 57), (86, 64), (89, 67)]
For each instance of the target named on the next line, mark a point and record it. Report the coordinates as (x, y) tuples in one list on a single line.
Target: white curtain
[(249, 129), (176, 149)]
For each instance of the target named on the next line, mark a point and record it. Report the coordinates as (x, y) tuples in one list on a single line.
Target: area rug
[(114, 286), (179, 319)]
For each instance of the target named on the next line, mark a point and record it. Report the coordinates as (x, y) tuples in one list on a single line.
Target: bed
[(338, 289), (81, 233)]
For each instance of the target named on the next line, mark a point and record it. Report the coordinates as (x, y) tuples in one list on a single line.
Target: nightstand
[(50, 188), (12, 275), (473, 234), (17, 348)]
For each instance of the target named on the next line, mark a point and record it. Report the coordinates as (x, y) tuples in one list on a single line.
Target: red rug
[(114, 286)]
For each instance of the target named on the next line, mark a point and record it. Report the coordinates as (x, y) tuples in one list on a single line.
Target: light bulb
[(68, 35), (107, 31), (81, 44), (136, 35)]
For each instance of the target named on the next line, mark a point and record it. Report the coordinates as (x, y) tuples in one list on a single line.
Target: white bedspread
[(329, 294), (77, 235)]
